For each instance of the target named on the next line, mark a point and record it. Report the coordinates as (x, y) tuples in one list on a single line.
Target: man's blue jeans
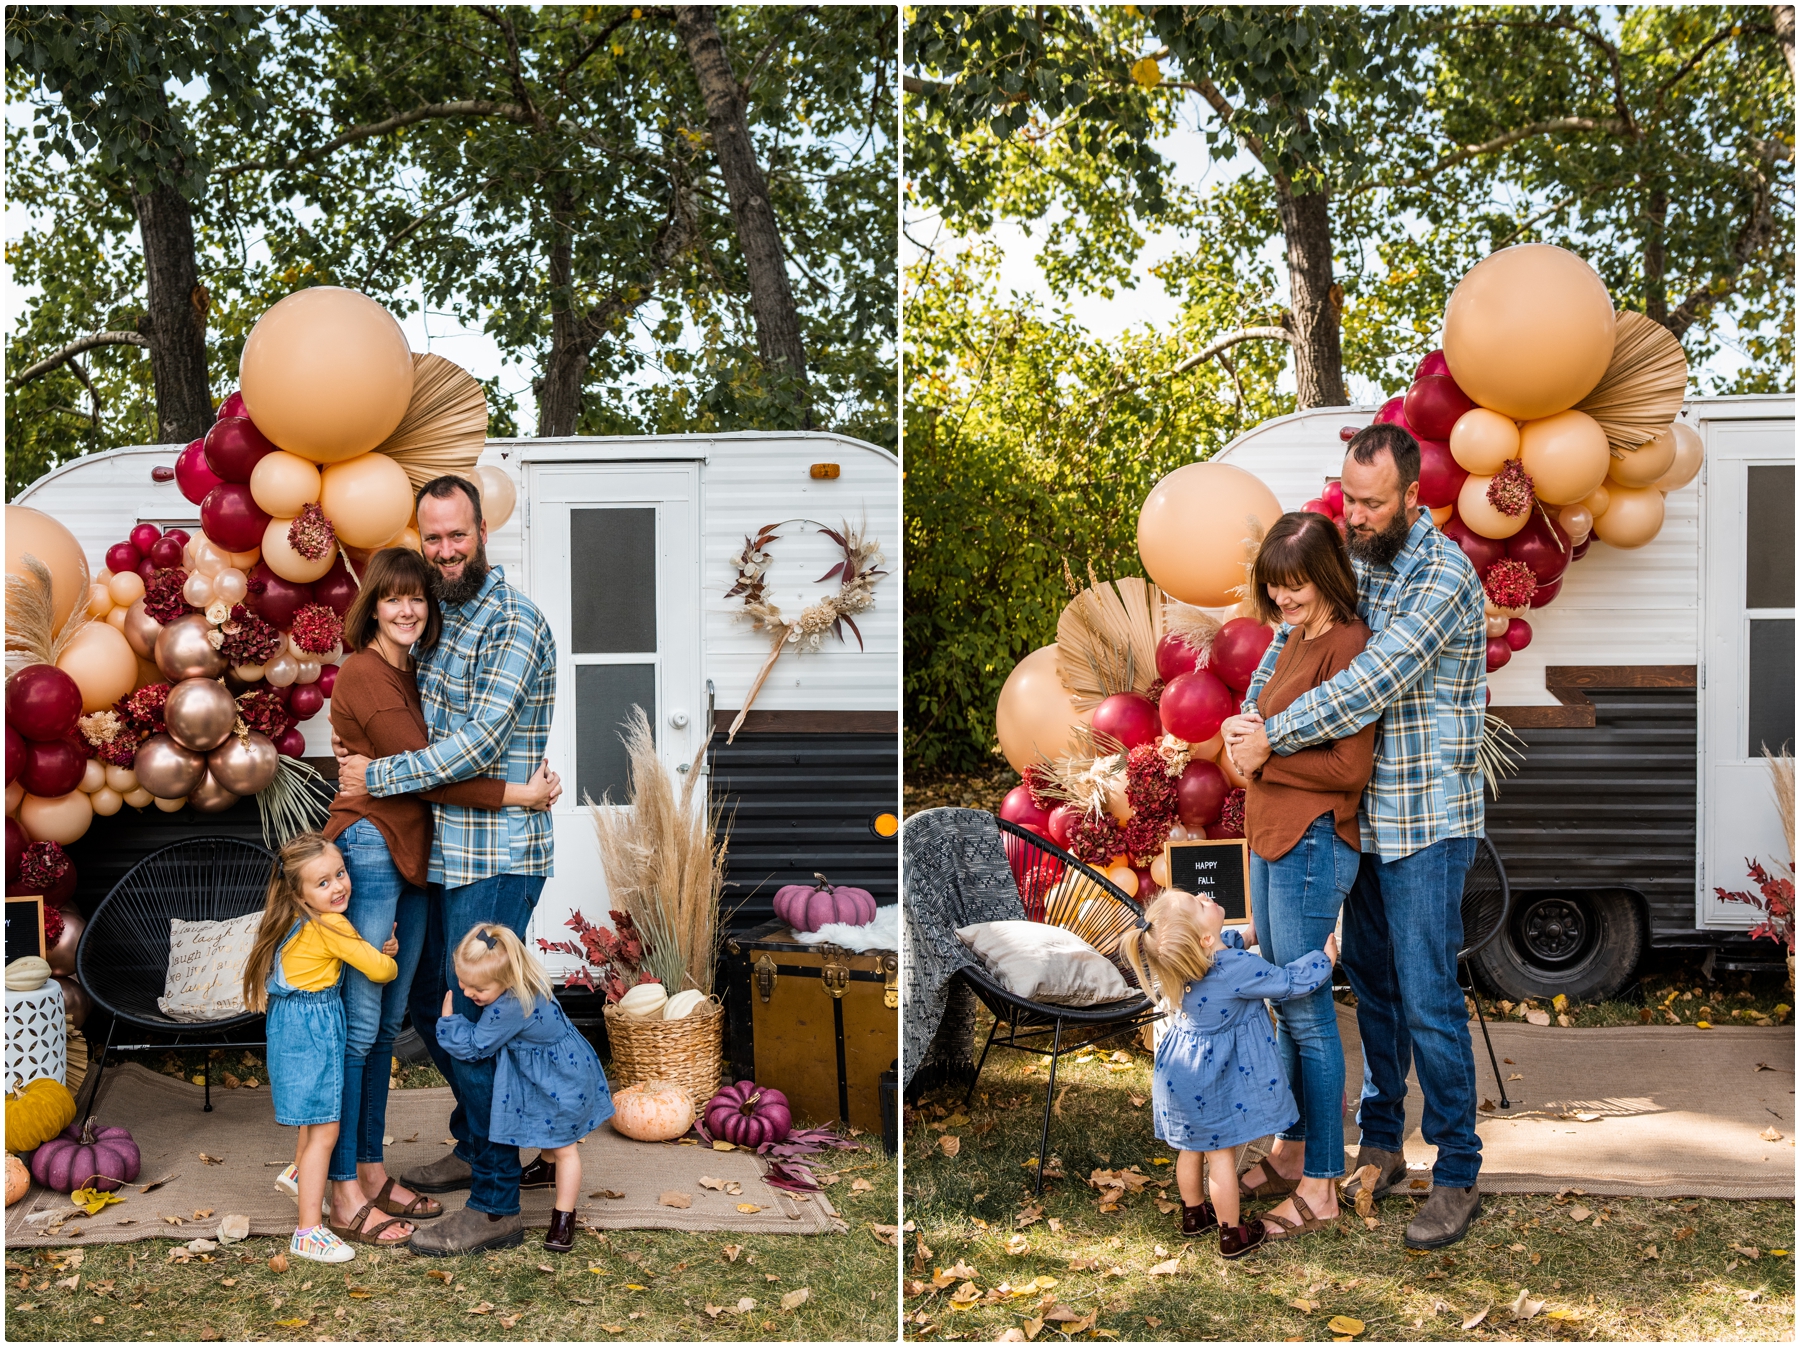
[(504, 900), (381, 904), (1402, 931), (1295, 901)]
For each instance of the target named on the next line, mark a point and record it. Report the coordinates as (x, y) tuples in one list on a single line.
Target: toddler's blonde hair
[(1168, 951), (492, 953)]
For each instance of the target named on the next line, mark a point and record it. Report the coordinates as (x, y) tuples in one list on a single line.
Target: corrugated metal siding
[(803, 803), (1608, 807)]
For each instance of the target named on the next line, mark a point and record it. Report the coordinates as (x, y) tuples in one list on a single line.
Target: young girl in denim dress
[(292, 975), (1218, 1080), (549, 1090)]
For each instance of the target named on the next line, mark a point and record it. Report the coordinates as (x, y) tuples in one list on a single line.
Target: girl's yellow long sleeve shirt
[(312, 958)]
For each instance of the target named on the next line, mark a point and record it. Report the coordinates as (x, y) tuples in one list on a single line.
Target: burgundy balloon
[(1393, 413), (15, 754), (305, 700), (232, 406), (1238, 649), (1543, 546), (181, 536), (1063, 819), (1318, 507), (1195, 705), (146, 570), (1147, 887), (1498, 653), (1430, 365), (53, 768), (1481, 552), (1175, 657), (1219, 832), (328, 674), (1333, 496), (16, 842), (1546, 593), (165, 553), (193, 475), (1518, 633), (291, 744), (234, 446), (1582, 550), (1433, 405), (1200, 793), (335, 589), (1018, 807), (276, 600), (1129, 717), (122, 557), (42, 702), (144, 537), (1441, 477), (232, 518)]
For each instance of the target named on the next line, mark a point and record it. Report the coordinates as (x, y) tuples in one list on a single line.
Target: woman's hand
[(447, 996), (1331, 948), (541, 792)]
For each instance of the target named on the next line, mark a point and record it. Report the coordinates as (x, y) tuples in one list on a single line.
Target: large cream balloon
[(1567, 456), (368, 499), (1473, 509), (1035, 717), (1633, 519), (326, 374), (1192, 528), (1529, 331), (1643, 465), (61, 818), (279, 556), (498, 496), (283, 484), (33, 532), (1690, 449), (1482, 440), (101, 662)]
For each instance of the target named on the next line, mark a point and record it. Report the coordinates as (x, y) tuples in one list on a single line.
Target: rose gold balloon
[(100, 661), (1689, 451), (1633, 519), (1034, 716), (1567, 456), (140, 631), (1482, 440), (106, 802), (1191, 529), (368, 499), (59, 818), (61, 955), (209, 797), (243, 764), (1496, 626), (76, 1001), (199, 713), (1473, 509), (182, 651), (125, 588), (282, 670), (1577, 521), (33, 532), (210, 558), (309, 670), (1529, 331), (166, 769), (1643, 465)]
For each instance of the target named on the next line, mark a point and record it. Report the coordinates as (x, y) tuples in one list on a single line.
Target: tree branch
[(75, 348), (1501, 142), (1756, 232), (910, 85), (749, 80), (1784, 32), (468, 107), (1226, 342), (401, 237)]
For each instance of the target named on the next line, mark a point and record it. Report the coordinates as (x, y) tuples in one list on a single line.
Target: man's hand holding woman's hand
[(352, 768), (544, 789), (1246, 742)]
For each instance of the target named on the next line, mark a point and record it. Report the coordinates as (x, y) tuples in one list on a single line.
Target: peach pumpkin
[(18, 1179), (656, 1110)]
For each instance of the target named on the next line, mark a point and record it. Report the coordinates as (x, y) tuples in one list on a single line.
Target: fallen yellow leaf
[(1344, 1324)]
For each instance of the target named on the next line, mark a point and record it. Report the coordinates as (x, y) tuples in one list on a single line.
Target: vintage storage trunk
[(817, 1022)]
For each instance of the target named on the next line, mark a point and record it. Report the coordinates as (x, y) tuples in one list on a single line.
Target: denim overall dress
[(306, 1047)]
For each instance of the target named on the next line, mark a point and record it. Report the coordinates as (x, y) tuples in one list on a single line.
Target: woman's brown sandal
[(1273, 1185), (353, 1233), (1279, 1227), (421, 1208)]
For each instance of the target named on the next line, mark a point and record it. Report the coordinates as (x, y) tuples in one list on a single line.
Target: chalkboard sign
[(1220, 870), (24, 928)]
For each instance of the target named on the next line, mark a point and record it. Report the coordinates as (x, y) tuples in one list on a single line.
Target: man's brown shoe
[(1392, 1167), (444, 1175), (1445, 1217), (468, 1231)]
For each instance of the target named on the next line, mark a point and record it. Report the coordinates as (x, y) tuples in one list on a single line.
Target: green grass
[(1633, 1268)]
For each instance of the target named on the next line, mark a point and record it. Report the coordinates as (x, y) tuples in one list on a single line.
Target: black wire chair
[(1058, 890), (1486, 902), (123, 958)]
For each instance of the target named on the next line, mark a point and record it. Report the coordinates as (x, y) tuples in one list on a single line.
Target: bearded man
[(1423, 674)]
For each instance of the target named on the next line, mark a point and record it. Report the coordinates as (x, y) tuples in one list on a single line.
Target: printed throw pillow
[(1044, 963), (206, 967)]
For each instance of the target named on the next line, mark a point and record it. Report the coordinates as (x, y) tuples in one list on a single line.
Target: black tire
[(1584, 944)]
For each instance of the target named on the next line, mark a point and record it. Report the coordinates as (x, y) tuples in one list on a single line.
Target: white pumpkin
[(683, 1004), (646, 999), (27, 974), (656, 1110)]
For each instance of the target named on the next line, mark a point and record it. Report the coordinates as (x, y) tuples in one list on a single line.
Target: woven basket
[(686, 1051)]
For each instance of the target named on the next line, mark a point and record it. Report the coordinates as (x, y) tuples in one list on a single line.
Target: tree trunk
[(176, 322), (772, 299), (1784, 32), (1656, 281), (559, 391), (1318, 300)]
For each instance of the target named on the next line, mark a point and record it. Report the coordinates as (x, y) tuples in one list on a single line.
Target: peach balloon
[(1126, 878), (1473, 509), (210, 558), (102, 664), (243, 561), (198, 589), (1117, 804), (231, 585), (1598, 501), (33, 532), (409, 539), (14, 793), (368, 499), (283, 484), (498, 496), (121, 779), (61, 819), (125, 588), (1482, 440), (1497, 625), (1441, 515), (1633, 519), (171, 806), (1159, 870), (1237, 779), (279, 556), (147, 673), (1208, 751), (1645, 464), (326, 374), (1567, 456), (1529, 331), (1689, 451), (1192, 527), (106, 802), (137, 797), (1033, 718), (100, 601), (93, 777), (116, 619)]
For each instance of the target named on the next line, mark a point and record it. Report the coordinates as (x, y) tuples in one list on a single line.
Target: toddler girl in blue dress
[(549, 1090), (1219, 1083)]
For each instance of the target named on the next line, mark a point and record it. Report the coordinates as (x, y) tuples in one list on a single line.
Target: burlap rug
[(1649, 1111), (225, 1162)]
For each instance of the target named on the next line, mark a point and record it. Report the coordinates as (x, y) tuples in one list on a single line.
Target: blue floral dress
[(1219, 1080), (549, 1089)]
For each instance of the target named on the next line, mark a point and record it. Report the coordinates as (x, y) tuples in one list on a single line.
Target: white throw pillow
[(206, 967), (1044, 963)]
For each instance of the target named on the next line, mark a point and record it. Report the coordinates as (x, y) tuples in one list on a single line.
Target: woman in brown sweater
[(386, 844), (1300, 816)]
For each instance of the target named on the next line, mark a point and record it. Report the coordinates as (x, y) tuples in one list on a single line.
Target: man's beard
[(467, 585), (1379, 549)]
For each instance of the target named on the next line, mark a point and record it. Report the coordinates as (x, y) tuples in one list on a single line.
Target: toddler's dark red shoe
[(1197, 1220), (1237, 1240), (560, 1238)]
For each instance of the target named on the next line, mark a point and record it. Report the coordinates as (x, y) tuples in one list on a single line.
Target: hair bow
[(489, 939)]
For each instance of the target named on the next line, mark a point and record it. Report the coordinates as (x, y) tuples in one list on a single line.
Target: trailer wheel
[(1584, 944)]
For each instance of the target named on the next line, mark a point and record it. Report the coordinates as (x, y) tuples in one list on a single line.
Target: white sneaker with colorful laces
[(289, 1182), (320, 1245)]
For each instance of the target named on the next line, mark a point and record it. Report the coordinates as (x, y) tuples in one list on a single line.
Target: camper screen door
[(1220, 870)]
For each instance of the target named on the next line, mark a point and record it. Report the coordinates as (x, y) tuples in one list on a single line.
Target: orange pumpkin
[(18, 1179), (656, 1110)]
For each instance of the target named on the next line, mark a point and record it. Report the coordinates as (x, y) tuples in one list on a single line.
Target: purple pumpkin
[(86, 1156), (748, 1114), (806, 907)]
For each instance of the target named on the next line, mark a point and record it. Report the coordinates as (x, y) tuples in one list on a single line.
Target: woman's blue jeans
[(381, 904), (1295, 901)]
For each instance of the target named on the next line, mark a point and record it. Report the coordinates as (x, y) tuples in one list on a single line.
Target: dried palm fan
[(445, 426), (1106, 640), (1643, 386), (1195, 626), (31, 635)]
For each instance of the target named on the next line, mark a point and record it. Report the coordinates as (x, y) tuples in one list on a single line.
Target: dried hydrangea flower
[(1511, 489), (311, 534), (1509, 584)]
